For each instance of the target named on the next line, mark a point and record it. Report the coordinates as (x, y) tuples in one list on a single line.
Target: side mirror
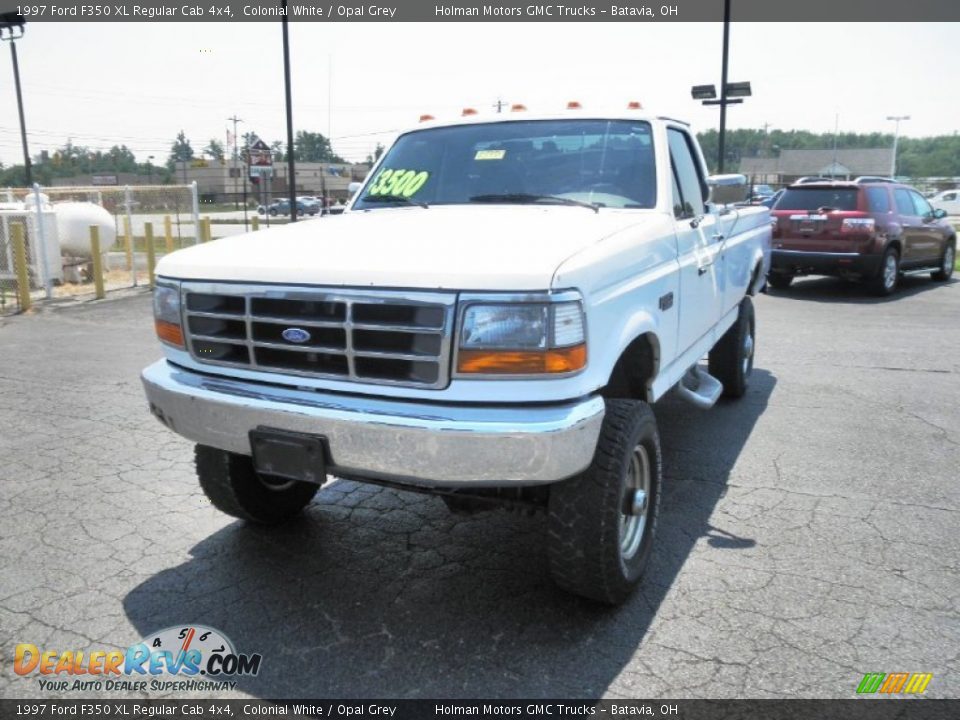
[(354, 187), (727, 189), (939, 214)]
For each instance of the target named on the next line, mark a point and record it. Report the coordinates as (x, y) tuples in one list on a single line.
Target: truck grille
[(384, 337)]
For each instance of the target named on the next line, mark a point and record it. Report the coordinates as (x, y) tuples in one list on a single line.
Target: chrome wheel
[(890, 271), (633, 516), (748, 352), (948, 261)]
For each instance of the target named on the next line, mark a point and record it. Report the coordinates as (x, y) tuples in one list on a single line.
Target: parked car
[(811, 179), (867, 231), (948, 200), (282, 207), (491, 322), (761, 193), (772, 200)]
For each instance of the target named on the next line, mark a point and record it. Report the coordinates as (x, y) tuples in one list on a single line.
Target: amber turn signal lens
[(522, 362), (169, 333)]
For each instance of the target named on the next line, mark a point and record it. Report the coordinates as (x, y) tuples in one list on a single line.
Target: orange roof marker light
[(517, 107), (425, 118), (468, 111), (634, 105), (574, 105)]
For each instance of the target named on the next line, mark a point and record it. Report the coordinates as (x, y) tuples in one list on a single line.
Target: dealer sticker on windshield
[(490, 155)]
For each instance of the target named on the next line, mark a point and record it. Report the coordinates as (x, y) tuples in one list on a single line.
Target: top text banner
[(457, 11)]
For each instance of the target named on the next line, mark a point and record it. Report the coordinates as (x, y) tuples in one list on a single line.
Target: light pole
[(896, 139), (14, 24), (291, 166), (235, 170), (150, 169)]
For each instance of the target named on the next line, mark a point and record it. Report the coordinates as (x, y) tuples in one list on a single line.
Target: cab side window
[(688, 182), (878, 200), (923, 208), (904, 203)]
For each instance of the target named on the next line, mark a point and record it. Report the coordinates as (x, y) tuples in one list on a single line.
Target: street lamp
[(896, 138), (735, 90), (11, 29)]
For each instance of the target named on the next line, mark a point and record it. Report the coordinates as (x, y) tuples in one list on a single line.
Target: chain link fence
[(58, 221)]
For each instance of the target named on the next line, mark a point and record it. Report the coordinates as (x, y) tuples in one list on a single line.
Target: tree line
[(917, 157), (71, 159)]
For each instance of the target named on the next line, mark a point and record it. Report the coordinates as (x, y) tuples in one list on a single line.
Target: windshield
[(603, 163), (814, 198)]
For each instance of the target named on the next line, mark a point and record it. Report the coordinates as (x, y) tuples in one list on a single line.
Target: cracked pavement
[(809, 532)]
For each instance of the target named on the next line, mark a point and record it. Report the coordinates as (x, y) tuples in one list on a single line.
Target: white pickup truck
[(490, 321)]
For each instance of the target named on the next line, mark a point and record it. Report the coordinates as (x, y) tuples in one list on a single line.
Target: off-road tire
[(946, 264), (234, 487), (584, 512), (731, 359), (779, 281), (881, 285)]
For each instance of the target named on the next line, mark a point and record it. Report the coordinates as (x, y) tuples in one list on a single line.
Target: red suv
[(871, 231)]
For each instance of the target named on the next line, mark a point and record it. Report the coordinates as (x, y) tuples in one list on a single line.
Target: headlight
[(522, 338), (166, 314)]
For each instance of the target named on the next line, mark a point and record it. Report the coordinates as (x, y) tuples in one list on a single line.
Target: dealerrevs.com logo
[(192, 657)]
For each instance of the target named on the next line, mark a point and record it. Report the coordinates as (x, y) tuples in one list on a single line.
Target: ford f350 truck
[(490, 321)]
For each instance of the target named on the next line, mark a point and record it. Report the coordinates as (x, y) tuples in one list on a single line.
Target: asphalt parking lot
[(809, 532)]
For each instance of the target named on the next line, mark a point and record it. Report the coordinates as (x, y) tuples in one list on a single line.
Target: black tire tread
[(583, 543), (725, 360), (940, 275), (876, 283), (231, 484)]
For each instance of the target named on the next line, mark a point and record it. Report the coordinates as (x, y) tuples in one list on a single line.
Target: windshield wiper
[(393, 198), (532, 198)]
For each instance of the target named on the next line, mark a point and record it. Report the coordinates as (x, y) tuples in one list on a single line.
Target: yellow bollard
[(151, 252), (128, 242), (168, 232), (207, 230), (20, 265), (97, 261), (255, 223)]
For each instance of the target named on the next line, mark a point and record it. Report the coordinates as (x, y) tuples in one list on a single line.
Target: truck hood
[(449, 247)]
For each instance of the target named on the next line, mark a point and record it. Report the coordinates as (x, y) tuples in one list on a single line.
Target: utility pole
[(723, 86), (235, 168), (14, 24), (291, 166), (896, 139)]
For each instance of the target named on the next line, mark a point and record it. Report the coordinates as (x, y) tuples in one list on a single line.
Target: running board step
[(699, 388)]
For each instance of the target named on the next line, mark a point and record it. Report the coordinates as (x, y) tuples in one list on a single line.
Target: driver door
[(699, 253)]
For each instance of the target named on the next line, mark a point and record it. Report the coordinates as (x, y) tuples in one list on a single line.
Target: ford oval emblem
[(295, 335)]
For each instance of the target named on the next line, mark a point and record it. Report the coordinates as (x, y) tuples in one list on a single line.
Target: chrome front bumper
[(421, 443)]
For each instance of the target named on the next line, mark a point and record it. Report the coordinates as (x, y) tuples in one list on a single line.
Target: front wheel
[(234, 487), (731, 359), (946, 265), (601, 523)]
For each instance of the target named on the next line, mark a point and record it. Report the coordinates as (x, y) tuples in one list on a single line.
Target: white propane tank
[(73, 226)]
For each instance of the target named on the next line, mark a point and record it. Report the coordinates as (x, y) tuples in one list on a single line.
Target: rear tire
[(946, 264), (779, 281), (886, 280), (234, 487), (596, 549), (731, 359)]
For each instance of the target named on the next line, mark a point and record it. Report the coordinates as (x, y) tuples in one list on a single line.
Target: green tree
[(313, 147), (375, 155), (180, 151), (214, 150)]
